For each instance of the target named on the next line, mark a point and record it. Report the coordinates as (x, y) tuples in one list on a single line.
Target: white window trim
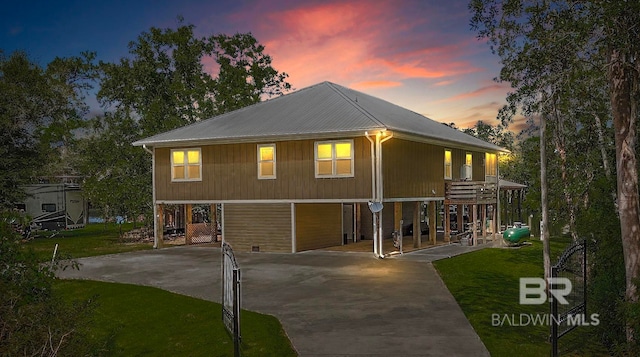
[(444, 157), (186, 165), (333, 158), (267, 177)]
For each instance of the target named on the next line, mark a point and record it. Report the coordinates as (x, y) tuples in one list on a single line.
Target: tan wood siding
[(413, 169), (478, 166), (267, 226), (318, 225), (230, 172)]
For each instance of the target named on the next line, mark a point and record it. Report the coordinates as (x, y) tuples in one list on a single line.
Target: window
[(186, 165), (334, 158), (48, 207), (267, 161), (490, 165), (468, 159), (447, 165)]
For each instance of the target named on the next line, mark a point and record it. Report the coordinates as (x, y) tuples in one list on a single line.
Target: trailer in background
[(55, 206)]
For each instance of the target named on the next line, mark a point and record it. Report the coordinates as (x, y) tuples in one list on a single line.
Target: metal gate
[(231, 293), (572, 266)]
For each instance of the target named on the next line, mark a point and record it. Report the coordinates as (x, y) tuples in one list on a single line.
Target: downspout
[(373, 194), (380, 182), (153, 197)]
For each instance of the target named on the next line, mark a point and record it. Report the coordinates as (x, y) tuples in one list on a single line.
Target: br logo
[(532, 290)]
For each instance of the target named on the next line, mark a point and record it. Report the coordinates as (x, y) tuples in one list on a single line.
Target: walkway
[(330, 303)]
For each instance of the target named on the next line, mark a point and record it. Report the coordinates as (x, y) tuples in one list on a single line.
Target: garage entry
[(318, 225)]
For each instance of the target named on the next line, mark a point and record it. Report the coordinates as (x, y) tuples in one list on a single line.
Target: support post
[(188, 221), (417, 230), (475, 224), (159, 233), (214, 222), (460, 216), (358, 211), (483, 224), (432, 222), (447, 223), (397, 218)]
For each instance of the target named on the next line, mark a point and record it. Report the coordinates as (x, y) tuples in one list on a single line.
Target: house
[(319, 167)]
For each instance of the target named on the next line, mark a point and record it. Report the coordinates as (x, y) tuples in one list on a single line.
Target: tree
[(161, 86), (39, 110), (34, 319), (245, 74), (547, 47), (116, 174)]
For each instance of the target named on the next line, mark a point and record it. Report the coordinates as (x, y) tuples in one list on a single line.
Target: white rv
[(55, 206)]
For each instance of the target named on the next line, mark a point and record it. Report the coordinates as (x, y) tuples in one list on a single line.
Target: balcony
[(470, 193)]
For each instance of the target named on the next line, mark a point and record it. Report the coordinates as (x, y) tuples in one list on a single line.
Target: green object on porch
[(515, 235)]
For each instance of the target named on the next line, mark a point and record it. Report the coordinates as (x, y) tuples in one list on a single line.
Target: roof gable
[(322, 110)]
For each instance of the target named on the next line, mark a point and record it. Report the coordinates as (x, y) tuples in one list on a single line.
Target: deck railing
[(470, 192)]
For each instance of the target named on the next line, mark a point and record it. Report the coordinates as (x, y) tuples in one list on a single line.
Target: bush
[(34, 320)]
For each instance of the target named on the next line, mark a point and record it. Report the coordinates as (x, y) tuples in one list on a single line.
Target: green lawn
[(145, 321), (486, 282), (94, 239)]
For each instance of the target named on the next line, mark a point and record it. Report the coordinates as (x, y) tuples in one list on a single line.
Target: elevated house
[(320, 167)]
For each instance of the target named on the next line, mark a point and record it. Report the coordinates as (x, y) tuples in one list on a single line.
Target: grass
[(94, 239), (486, 282), (145, 321)]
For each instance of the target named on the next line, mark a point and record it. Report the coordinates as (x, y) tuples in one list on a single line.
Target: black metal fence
[(231, 296), (568, 308)]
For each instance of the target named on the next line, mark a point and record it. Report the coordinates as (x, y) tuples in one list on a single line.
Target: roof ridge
[(355, 103)]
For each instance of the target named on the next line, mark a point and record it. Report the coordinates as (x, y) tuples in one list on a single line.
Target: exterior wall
[(414, 169), (267, 226), (230, 172), (318, 225)]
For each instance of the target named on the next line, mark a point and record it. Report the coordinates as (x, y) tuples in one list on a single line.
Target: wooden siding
[(318, 225), (413, 169), (230, 172), (267, 226)]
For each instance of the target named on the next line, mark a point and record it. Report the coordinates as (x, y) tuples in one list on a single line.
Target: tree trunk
[(544, 232), (603, 150), (625, 112), (562, 151)]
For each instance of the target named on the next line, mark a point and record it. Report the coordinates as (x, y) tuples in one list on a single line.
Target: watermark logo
[(532, 290), (523, 320)]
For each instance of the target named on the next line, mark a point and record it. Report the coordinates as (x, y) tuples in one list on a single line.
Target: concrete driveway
[(329, 303)]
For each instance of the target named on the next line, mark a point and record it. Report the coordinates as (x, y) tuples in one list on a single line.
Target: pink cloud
[(374, 84), (354, 42), (489, 89)]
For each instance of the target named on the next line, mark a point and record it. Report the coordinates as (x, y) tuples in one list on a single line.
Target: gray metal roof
[(319, 111)]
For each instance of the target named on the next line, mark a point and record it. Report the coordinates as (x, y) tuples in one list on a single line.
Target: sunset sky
[(420, 54)]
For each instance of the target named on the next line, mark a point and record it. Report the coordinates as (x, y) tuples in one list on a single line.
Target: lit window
[(468, 159), (186, 165), (447, 165), (334, 158), (267, 161), (491, 165)]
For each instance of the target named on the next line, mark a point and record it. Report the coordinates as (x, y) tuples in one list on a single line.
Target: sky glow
[(421, 55)]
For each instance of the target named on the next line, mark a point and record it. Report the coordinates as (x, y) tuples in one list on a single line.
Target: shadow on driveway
[(329, 303)]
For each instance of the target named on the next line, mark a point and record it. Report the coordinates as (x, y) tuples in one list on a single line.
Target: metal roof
[(509, 185), (319, 111)]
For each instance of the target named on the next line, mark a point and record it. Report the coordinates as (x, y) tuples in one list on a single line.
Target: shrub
[(34, 320)]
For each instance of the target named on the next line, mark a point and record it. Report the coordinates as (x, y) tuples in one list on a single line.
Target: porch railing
[(470, 192)]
